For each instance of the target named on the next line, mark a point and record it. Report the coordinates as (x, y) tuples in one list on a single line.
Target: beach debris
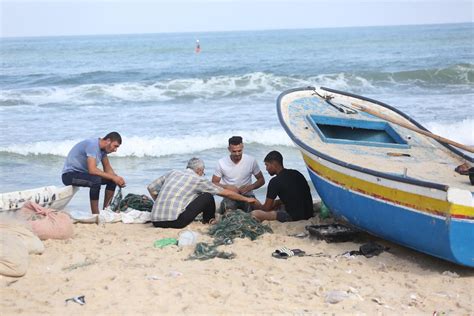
[(74, 266), (272, 280), (334, 297), (163, 242), (450, 274), (81, 300), (153, 277), (300, 235), (332, 233), (204, 251), (187, 238), (174, 274), (368, 250)]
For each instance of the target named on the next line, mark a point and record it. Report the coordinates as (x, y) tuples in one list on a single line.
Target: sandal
[(285, 253)]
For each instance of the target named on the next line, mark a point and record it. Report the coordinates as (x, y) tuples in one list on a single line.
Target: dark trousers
[(81, 179), (203, 203)]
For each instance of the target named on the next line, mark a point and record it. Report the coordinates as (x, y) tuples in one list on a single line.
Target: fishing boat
[(381, 171), (49, 196)]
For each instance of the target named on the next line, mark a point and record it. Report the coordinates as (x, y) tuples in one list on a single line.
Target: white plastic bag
[(133, 216)]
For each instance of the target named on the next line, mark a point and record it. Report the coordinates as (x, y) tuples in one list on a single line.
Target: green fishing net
[(235, 224)]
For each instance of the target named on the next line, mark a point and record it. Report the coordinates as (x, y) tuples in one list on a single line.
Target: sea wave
[(461, 132), (140, 146), (159, 146), (256, 85)]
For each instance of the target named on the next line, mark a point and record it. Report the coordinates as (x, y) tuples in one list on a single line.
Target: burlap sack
[(13, 255), (47, 223)]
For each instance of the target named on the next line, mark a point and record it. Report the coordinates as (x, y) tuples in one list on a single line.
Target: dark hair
[(235, 140), (114, 136), (274, 156)]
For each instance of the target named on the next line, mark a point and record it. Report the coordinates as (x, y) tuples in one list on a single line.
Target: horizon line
[(232, 31)]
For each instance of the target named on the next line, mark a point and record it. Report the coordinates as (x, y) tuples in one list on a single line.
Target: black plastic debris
[(369, 250), (333, 232)]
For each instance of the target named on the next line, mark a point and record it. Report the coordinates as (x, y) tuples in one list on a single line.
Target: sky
[(20, 18)]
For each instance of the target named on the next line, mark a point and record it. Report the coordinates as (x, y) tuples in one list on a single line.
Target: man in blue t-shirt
[(80, 168), (295, 202)]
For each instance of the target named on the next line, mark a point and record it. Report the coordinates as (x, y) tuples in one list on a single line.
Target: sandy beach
[(118, 270)]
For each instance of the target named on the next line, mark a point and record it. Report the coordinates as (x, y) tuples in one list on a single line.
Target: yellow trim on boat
[(403, 198)]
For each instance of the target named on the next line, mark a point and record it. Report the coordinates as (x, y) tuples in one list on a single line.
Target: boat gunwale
[(438, 186)]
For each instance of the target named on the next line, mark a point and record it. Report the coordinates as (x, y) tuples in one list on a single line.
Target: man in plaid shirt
[(181, 195)]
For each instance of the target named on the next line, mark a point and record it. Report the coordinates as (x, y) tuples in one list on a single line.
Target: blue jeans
[(81, 179)]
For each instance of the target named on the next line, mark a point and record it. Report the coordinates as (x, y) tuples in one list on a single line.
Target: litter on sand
[(333, 232), (368, 250), (163, 242), (81, 300)]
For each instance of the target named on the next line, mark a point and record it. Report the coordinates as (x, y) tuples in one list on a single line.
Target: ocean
[(170, 103)]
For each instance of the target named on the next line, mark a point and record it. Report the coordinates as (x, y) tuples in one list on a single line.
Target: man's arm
[(257, 184), (235, 196), (269, 205), (107, 166), (217, 181), (93, 170), (155, 187)]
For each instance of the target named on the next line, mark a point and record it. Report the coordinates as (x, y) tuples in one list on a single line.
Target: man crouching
[(181, 195)]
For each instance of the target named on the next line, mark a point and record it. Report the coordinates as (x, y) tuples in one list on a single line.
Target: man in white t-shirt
[(234, 172)]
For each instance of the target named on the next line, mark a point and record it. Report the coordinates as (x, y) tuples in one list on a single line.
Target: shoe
[(285, 253)]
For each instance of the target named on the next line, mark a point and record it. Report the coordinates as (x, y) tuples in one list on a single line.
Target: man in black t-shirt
[(292, 189)]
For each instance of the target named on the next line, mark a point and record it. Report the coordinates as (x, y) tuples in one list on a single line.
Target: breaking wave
[(138, 146), (256, 85)]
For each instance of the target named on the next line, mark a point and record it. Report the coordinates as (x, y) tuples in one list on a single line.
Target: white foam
[(461, 132), (255, 85), (141, 146)]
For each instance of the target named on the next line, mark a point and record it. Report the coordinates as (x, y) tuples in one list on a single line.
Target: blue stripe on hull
[(450, 240)]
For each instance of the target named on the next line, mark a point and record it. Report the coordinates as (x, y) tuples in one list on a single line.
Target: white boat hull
[(50, 197)]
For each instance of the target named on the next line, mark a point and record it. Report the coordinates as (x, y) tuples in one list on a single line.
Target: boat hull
[(387, 214), (50, 196)]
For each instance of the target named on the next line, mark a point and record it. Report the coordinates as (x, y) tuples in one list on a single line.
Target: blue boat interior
[(356, 132)]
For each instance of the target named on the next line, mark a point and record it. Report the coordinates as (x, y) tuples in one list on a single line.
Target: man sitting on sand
[(291, 187), (80, 168), (181, 195), (234, 173)]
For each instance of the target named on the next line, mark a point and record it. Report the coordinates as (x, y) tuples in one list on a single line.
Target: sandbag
[(47, 223), (33, 244), (13, 255)]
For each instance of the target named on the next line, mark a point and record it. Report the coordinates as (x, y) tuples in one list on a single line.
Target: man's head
[(236, 148), (112, 141), (273, 162), (196, 165)]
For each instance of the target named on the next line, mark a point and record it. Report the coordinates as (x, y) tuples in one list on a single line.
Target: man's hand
[(119, 181), (252, 200), (245, 189)]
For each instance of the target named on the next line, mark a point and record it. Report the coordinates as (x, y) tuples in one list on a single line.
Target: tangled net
[(236, 224)]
